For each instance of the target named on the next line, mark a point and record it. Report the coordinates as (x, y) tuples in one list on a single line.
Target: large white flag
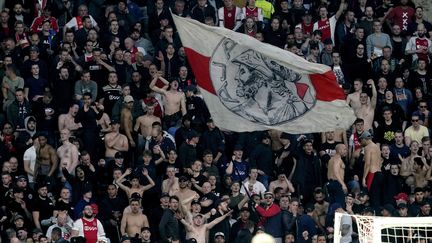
[(248, 85)]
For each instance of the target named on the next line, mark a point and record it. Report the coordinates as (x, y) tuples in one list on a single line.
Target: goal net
[(372, 229)]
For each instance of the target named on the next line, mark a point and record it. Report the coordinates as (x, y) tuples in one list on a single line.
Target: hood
[(26, 120)]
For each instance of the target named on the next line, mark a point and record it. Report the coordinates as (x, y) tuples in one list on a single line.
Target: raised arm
[(120, 179), (218, 220), (153, 86), (151, 182)]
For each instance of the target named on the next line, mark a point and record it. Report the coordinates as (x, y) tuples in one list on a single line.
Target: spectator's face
[(7, 129), (289, 238), (359, 126), (396, 30), (360, 50), (403, 212), (421, 65), (426, 209), (35, 70), (114, 26), (206, 187), (6, 179), (385, 151), (92, 35), (228, 3), (65, 194), (382, 83), (174, 204), (18, 9), (235, 187), (13, 163), (145, 235), (298, 3), (82, 11), (88, 211), (253, 174), (268, 199), (4, 17), (323, 13), (179, 7), (219, 239), (359, 33), (308, 148), (135, 206), (419, 13), (369, 12), (415, 123), (159, 4), (377, 27), (419, 196), (284, 203), (275, 24), (321, 239), (202, 3), (387, 115)]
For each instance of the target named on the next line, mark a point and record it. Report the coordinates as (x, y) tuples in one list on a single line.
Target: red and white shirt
[(327, 27), (89, 229)]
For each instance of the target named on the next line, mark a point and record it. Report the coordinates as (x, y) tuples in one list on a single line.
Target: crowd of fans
[(105, 137)]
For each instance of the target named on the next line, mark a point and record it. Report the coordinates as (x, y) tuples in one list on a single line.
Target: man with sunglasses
[(416, 131), (271, 217)]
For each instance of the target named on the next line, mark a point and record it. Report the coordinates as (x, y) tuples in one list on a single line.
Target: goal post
[(371, 229)]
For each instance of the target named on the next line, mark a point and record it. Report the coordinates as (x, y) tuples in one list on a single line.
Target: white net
[(371, 229)]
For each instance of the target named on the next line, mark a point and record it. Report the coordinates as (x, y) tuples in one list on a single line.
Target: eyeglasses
[(423, 106), (415, 120)]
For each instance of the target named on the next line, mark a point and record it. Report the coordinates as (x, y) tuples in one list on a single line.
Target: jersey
[(327, 27)]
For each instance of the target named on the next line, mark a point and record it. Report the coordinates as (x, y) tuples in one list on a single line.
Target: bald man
[(263, 238), (336, 170)]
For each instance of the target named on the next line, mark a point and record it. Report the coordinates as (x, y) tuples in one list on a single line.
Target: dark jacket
[(169, 226)]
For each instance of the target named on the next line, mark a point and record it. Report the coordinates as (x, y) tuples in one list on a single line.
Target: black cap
[(21, 177), (209, 120), (164, 194), (388, 207), (118, 155), (183, 178), (195, 202)]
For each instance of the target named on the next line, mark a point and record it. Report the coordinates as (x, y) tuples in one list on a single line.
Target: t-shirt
[(13, 86), (30, 155), (327, 27)]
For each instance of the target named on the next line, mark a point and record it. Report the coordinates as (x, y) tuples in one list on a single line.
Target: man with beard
[(420, 47), (223, 226), (185, 194), (88, 226), (111, 212), (43, 208), (169, 225), (132, 222), (63, 89)]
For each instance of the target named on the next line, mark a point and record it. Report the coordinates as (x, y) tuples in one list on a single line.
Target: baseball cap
[(128, 99), (238, 147), (219, 234), (18, 216), (402, 205), (21, 177), (401, 196), (164, 194)]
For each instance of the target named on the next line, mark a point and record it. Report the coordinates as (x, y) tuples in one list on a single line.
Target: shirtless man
[(68, 120), (282, 182), (198, 230), (144, 125), (372, 176), (132, 222), (171, 184), (336, 170), (353, 99), (366, 110), (126, 119), (185, 194), (46, 158), (114, 141), (174, 101), (67, 152), (422, 172)]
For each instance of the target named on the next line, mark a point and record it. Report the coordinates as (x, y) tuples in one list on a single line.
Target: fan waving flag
[(249, 86)]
